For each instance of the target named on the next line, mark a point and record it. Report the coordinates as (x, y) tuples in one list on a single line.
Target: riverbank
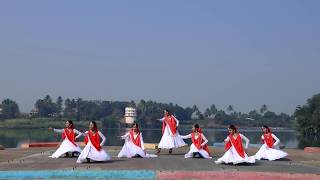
[(12, 138), (36, 159), (37, 123)]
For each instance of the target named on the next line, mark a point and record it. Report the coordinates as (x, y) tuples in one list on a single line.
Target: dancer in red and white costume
[(267, 150), (199, 146), (235, 153), (93, 150), (170, 135), (68, 144), (134, 145)]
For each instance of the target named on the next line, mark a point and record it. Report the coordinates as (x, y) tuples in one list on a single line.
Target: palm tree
[(263, 109), (230, 108)]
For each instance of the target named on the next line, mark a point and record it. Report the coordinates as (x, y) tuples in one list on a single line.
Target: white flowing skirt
[(194, 149), (130, 150), (232, 156), (66, 146), (168, 142), (93, 154), (270, 154)]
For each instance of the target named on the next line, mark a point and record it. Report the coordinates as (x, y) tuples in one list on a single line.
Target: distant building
[(34, 112), (130, 115)]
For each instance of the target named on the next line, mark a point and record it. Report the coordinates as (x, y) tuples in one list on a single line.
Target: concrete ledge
[(46, 144), (56, 144), (150, 145), (312, 149), (155, 146)]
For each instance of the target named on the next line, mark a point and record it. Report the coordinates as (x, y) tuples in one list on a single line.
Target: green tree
[(254, 114), (263, 109), (270, 115), (211, 112), (132, 104), (46, 107), (70, 108), (10, 109), (230, 109), (196, 113), (59, 103), (307, 120)]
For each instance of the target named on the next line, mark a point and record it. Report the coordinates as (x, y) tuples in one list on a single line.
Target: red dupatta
[(268, 139), (197, 142), (69, 134), (171, 122), (236, 143), (136, 140), (94, 139)]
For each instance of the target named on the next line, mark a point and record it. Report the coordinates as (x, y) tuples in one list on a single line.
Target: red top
[(171, 122), (236, 143), (136, 140), (197, 142), (69, 134), (268, 139), (94, 139)]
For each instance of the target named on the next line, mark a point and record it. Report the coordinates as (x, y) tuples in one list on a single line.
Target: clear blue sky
[(243, 53)]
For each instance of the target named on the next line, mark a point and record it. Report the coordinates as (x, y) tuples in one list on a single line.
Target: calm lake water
[(12, 138)]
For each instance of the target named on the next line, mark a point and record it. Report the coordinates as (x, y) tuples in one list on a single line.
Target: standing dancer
[(170, 135), (199, 146), (68, 144), (235, 153), (93, 150), (134, 145), (267, 150)]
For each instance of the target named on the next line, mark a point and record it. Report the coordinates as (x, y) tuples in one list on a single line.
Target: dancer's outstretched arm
[(186, 136), (79, 134), (276, 138), (58, 130), (141, 141), (177, 121), (227, 139), (125, 136), (102, 137), (246, 140), (205, 140), (262, 139)]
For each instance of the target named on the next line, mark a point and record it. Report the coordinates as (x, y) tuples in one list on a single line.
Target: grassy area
[(40, 123)]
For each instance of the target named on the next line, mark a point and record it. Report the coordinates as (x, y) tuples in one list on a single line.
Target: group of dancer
[(171, 139), (92, 151)]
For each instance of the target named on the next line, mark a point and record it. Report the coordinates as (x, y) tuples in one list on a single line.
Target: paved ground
[(34, 159)]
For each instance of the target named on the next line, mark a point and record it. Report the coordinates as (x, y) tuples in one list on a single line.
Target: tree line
[(110, 112)]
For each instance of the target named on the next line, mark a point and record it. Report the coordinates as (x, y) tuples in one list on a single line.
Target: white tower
[(130, 115)]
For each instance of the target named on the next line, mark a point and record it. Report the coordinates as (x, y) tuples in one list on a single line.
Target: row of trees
[(148, 111), (80, 110), (253, 118)]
